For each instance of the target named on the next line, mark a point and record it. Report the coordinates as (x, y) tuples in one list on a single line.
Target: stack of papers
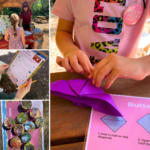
[(27, 33)]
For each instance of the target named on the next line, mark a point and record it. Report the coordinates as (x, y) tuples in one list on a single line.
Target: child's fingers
[(29, 84), (84, 63), (98, 67), (75, 64), (66, 65), (5, 66), (58, 61), (102, 74), (112, 77)]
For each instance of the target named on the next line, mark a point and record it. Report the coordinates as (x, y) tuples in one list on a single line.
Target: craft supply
[(26, 137), (29, 146), (29, 126), (9, 123), (35, 112), (19, 129), (15, 142), (22, 118), (32, 27), (26, 105), (40, 122), (25, 85), (83, 93), (133, 14)]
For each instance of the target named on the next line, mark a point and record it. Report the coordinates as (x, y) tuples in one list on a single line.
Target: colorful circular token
[(35, 112), (15, 142), (22, 118), (26, 137), (29, 146), (9, 123), (29, 126), (19, 129), (40, 122), (26, 105), (133, 14)]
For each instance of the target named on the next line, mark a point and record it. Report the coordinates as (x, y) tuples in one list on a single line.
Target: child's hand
[(23, 91), (115, 66), (3, 67), (76, 61)]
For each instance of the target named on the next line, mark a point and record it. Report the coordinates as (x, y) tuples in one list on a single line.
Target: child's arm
[(74, 58), (6, 35), (115, 66), (36, 44), (21, 20), (22, 37)]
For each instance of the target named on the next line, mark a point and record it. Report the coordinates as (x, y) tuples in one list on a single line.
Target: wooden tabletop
[(69, 123)]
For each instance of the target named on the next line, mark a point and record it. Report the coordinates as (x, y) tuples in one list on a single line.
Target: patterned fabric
[(15, 42), (99, 28)]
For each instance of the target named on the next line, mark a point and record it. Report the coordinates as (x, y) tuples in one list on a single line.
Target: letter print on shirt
[(98, 8), (101, 46), (117, 20)]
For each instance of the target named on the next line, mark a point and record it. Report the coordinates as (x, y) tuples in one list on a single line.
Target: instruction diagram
[(114, 122), (145, 122)]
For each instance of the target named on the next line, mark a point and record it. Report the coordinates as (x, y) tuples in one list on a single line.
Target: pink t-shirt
[(99, 28)]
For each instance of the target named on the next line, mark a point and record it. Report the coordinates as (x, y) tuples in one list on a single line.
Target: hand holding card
[(3, 67)]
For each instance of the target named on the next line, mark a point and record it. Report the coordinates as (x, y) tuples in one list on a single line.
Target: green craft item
[(22, 118), (26, 137), (29, 146)]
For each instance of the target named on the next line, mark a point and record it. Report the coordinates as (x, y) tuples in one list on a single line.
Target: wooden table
[(69, 123)]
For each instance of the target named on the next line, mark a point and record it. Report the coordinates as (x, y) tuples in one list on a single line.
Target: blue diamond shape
[(113, 122), (145, 122)]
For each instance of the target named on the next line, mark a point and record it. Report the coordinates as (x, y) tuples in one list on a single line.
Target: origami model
[(84, 94)]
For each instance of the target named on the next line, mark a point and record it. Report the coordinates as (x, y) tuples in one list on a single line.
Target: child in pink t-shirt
[(90, 30)]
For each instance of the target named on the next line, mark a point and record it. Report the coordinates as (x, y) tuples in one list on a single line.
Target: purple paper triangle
[(77, 85), (89, 88), (62, 86)]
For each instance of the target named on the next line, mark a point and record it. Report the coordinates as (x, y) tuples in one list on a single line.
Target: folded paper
[(84, 94)]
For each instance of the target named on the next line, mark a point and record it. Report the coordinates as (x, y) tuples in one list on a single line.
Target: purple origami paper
[(84, 94)]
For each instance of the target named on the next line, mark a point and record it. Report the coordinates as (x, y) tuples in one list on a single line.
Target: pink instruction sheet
[(130, 132), (11, 109)]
